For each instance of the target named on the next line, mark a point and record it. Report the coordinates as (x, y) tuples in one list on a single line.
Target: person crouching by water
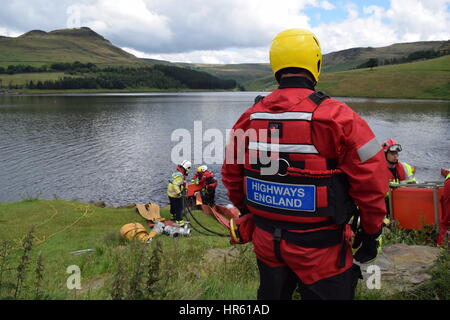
[(175, 190), (399, 172), (205, 178), (444, 229)]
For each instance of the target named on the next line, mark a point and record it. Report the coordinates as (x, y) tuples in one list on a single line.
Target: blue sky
[(339, 13), (231, 31)]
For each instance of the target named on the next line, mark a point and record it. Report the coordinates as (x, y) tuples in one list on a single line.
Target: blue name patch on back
[(281, 195)]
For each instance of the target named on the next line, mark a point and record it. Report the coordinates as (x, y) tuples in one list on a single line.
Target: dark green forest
[(90, 76)]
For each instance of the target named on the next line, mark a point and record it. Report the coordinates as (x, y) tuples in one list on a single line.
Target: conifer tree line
[(90, 76), (414, 56)]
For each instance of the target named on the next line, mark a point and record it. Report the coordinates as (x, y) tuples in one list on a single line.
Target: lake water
[(117, 147)]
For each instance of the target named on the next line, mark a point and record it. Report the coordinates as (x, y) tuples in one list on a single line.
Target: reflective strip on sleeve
[(288, 148), (368, 150), (282, 116), (409, 172)]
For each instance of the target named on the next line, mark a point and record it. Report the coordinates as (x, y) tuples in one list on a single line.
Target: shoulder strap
[(318, 97), (258, 99)]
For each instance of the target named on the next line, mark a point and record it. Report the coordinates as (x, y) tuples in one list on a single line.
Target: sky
[(231, 31)]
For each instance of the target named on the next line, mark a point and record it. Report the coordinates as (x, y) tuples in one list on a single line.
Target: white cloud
[(220, 24), (404, 21), (130, 22), (9, 33), (326, 5), (231, 56), (230, 30), (415, 20)]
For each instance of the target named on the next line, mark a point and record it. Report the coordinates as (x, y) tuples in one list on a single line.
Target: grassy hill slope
[(37, 48), (423, 79), (242, 73), (253, 76), (429, 79), (350, 58)]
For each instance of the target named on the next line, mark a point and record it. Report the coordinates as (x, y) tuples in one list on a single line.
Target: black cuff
[(365, 236), (243, 210)]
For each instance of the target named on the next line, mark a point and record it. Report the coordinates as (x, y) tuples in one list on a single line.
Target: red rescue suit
[(328, 160), (206, 179), (445, 217), (400, 174)]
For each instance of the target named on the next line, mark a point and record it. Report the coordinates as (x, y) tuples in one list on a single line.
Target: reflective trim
[(409, 172), (287, 148), (368, 150), (282, 116)]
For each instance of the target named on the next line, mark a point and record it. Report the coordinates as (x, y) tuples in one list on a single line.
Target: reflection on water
[(116, 148)]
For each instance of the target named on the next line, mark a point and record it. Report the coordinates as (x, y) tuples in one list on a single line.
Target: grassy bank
[(427, 79), (21, 79), (129, 90), (199, 267), (190, 268)]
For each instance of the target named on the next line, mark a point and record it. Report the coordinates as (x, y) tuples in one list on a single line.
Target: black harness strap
[(314, 239), (258, 99), (342, 254), (277, 236), (318, 97), (291, 225)]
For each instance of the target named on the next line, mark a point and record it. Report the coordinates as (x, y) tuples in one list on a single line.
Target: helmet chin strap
[(392, 162)]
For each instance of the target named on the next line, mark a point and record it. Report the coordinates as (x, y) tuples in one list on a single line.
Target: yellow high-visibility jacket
[(404, 174), (176, 185)]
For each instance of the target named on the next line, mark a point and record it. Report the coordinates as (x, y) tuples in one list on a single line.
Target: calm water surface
[(117, 147)]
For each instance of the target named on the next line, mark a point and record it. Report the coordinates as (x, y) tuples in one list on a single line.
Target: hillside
[(428, 79), (254, 76), (242, 73), (68, 45), (39, 49), (350, 58)]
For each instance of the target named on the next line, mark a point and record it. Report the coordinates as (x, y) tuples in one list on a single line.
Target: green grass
[(429, 79), (63, 46), (242, 73), (66, 226), (127, 90), (22, 78), (196, 268)]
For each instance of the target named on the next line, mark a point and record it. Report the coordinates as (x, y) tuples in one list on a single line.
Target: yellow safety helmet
[(202, 169), (296, 48)]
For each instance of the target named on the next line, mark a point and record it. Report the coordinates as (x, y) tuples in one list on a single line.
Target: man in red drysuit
[(205, 178), (297, 166), (444, 227)]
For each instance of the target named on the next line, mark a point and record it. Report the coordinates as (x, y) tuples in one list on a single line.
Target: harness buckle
[(277, 234)]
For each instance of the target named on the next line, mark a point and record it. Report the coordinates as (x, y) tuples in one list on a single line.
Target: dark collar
[(296, 82)]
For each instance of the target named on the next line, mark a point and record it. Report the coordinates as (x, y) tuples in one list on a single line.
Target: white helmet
[(186, 164), (202, 168)]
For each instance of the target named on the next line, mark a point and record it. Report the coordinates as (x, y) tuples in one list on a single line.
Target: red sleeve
[(233, 167), (446, 204), (341, 132)]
